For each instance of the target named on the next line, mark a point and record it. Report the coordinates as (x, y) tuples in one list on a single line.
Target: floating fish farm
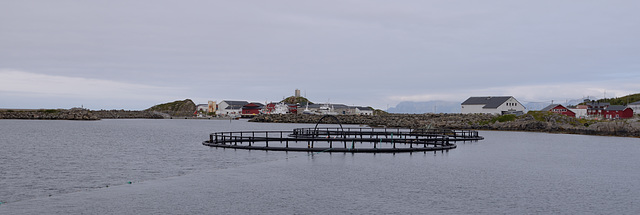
[(339, 139)]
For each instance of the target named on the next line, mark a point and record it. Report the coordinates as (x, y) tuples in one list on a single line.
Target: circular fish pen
[(339, 139)]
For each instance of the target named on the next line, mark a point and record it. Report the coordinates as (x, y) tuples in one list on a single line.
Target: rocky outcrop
[(49, 114), (553, 123), (176, 109)]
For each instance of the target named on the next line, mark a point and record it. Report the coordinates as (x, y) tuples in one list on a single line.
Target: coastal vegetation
[(50, 111), (621, 100), (180, 105), (378, 112), (503, 118)]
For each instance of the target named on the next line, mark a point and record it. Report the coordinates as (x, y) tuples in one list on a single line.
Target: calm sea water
[(75, 167)]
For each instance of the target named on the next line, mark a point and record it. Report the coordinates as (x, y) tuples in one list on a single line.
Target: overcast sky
[(135, 54)]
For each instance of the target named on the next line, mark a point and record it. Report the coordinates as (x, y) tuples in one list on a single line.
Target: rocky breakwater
[(388, 120), (533, 121), (126, 114), (557, 123), (49, 114)]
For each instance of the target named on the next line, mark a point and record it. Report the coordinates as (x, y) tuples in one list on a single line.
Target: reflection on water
[(508, 172)]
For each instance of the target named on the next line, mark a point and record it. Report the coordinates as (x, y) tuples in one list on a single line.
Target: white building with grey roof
[(334, 109), (493, 105), (635, 106), (228, 107)]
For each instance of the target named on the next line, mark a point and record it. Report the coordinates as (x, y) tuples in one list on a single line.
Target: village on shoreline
[(503, 113)]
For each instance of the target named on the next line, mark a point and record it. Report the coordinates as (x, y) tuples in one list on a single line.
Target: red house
[(558, 108), (596, 109), (270, 108), (293, 108), (617, 112), (251, 109)]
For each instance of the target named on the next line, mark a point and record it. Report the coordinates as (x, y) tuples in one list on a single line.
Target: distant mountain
[(426, 107), (536, 105)]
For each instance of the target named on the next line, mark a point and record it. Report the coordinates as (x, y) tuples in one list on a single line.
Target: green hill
[(622, 100), (296, 100), (177, 108)]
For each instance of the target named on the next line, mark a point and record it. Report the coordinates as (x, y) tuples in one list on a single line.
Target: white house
[(334, 109), (363, 111), (580, 112), (202, 107), (493, 105), (635, 106), (230, 107)]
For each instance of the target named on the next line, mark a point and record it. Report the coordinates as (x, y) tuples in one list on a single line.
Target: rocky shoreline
[(49, 114), (79, 114), (535, 122), (551, 123), (128, 114)]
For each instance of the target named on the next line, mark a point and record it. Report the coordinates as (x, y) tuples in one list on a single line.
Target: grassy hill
[(177, 108), (296, 100), (622, 100)]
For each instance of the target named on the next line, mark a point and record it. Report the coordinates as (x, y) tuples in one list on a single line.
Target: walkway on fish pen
[(354, 140)]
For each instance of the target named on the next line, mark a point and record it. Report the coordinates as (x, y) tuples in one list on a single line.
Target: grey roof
[(487, 101), (234, 107), (334, 106), (635, 103), (598, 103), (616, 107), (551, 106), (235, 102), (256, 103), (312, 106), (339, 106), (362, 108)]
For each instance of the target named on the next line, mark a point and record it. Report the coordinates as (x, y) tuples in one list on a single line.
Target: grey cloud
[(334, 49)]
